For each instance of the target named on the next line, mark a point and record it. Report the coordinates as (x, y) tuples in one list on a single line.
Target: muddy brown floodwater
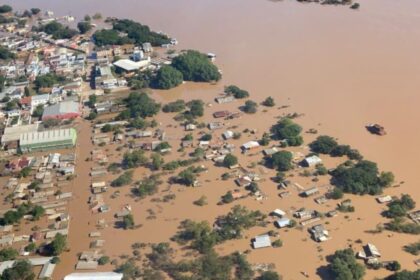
[(341, 68)]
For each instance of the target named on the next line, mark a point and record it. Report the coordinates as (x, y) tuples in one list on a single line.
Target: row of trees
[(327, 145), (201, 237), (57, 30), (209, 266)]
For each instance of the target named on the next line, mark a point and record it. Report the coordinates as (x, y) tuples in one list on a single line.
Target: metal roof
[(64, 107), (94, 276), (47, 136)]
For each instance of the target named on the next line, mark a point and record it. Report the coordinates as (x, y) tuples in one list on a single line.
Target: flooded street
[(341, 68)]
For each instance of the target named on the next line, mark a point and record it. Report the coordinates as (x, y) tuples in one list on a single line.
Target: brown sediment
[(339, 67)]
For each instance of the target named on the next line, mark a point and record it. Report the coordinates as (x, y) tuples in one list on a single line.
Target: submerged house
[(311, 161), (261, 241), (369, 253), (319, 233)]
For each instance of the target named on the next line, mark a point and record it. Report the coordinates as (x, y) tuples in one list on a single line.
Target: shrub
[(236, 92), (250, 107), (269, 102)]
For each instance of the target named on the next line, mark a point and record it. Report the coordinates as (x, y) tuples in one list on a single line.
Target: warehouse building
[(47, 140), (62, 111)]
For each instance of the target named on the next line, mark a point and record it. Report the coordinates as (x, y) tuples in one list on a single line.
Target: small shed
[(261, 241), (283, 222)]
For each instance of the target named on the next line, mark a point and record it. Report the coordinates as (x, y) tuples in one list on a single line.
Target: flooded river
[(341, 68)]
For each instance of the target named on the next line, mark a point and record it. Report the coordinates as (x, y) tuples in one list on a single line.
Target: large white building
[(94, 276)]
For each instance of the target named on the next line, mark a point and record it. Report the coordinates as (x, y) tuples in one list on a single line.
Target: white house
[(261, 241), (312, 161), (250, 145), (40, 99), (283, 222), (94, 276)]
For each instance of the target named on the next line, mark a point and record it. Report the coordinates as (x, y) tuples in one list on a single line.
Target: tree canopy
[(58, 245), (289, 131), (405, 275), (323, 144), (361, 178), (58, 30), (250, 107), (140, 33), (109, 37), (282, 160), (167, 77), (344, 266), (175, 106), (196, 108), (196, 67), (84, 26), (21, 270), (141, 105), (6, 54), (5, 9), (237, 92), (230, 160)]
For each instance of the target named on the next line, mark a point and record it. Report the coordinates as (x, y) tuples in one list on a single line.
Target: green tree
[(336, 193), (147, 186), (287, 130), (157, 161), (168, 77), (141, 105), (128, 221), (250, 107), (58, 245), (58, 30), (230, 160), (37, 212), (236, 92), (269, 102), (196, 67), (5, 9), (129, 270), (400, 207), (21, 270), (227, 198), (7, 254), (39, 110), (196, 108), (84, 27), (323, 144), (6, 54), (46, 81), (187, 177), (344, 266), (282, 161), (361, 178), (35, 11), (134, 159), (269, 275), (176, 106), (405, 275), (124, 179)]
